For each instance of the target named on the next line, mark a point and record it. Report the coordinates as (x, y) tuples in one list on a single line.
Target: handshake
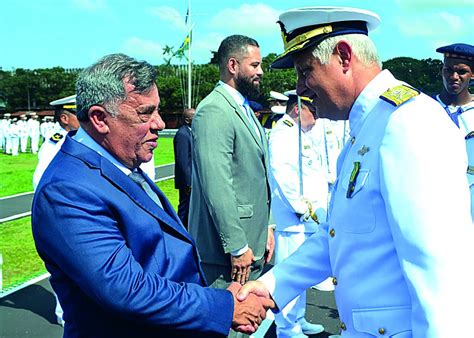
[(251, 303)]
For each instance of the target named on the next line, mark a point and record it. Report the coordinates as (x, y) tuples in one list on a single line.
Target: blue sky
[(75, 33)]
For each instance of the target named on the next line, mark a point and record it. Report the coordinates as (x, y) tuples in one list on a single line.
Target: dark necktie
[(140, 180)]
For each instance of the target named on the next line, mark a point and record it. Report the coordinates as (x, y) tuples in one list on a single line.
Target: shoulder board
[(470, 135), (288, 123), (56, 137), (399, 94)]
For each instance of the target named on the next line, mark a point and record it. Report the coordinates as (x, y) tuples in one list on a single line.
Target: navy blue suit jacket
[(182, 158), (120, 265)]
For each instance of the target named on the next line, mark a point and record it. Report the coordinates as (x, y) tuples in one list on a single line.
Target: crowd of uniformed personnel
[(16, 132)]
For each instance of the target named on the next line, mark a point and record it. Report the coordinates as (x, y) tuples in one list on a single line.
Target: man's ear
[(344, 52), (232, 65), (98, 118), (64, 119)]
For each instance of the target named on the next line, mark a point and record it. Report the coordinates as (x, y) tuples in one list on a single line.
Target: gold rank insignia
[(364, 150), (288, 123), (306, 146), (399, 94), (470, 169), (57, 137)]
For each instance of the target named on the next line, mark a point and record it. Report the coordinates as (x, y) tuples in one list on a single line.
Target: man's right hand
[(249, 313), (256, 288), (241, 266)]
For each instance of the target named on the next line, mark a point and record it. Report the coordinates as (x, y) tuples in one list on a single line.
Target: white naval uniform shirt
[(46, 153), (466, 125), (283, 149), (400, 245)]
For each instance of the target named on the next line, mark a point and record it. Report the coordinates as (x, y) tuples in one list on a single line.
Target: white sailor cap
[(68, 102), (305, 27), (277, 96), (293, 98)]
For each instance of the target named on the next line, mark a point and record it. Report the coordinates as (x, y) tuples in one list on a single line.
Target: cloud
[(256, 19), (416, 5), (439, 26), (170, 15), (144, 49), (91, 5)]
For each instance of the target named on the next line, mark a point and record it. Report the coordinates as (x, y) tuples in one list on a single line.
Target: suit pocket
[(388, 321), (245, 210)]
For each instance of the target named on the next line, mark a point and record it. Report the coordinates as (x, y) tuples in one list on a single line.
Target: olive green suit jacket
[(230, 197)]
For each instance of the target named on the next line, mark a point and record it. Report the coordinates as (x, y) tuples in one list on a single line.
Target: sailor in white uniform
[(23, 132), (458, 71), (33, 132), (297, 214), (65, 115), (399, 235)]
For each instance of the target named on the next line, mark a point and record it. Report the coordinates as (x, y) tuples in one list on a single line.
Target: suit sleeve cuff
[(240, 251)]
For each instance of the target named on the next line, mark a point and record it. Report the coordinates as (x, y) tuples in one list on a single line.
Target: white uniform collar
[(84, 138), (368, 98), (453, 109)]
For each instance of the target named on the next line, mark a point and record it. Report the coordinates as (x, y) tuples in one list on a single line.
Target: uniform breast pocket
[(355, 203), (392, 322), (353, 185)]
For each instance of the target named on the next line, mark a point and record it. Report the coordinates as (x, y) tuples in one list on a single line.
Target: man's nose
[(157, 122)]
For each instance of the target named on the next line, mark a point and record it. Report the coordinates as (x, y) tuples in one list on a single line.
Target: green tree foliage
[(45, 85), (23, 88), (424, 75)]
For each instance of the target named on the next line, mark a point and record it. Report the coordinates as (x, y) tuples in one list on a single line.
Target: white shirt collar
[(84, 138), (238, 98)]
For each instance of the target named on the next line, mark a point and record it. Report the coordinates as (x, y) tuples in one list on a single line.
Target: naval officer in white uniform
[(297, 214), (399, 236)]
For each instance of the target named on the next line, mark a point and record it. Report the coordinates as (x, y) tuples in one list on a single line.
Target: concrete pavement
[(29, 313)]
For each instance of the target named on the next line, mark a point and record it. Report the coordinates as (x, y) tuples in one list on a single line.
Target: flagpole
[(189, 56)]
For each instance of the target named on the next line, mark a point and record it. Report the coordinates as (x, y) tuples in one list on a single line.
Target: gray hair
[(361, 44), (103, 83), (234, 46)]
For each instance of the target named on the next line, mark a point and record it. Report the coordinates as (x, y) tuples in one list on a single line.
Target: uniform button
[(332, 232), (353, 139), (334, 280), (343, 326), (382, 330)]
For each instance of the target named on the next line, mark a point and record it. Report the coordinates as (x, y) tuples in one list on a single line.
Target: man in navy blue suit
[(183, 164), (120, 260)]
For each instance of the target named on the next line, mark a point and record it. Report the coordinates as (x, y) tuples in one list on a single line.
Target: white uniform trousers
[(15, 142), (23, 143), (288, 319)]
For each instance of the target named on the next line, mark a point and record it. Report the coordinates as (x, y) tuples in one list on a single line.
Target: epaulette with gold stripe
[(288, 123), (399, 94), (470, 135), (56, 137)]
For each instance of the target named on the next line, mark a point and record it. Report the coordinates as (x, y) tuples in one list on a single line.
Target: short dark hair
[(102, 83), (233, 46)]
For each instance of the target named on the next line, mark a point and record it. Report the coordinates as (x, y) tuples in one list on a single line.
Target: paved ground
[(20, 205), (30, 313)]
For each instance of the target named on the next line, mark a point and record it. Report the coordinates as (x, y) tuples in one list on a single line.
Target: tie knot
[(137, 177)]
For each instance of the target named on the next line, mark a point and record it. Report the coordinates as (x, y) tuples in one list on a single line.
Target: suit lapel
[(139, 196), (221, 90)]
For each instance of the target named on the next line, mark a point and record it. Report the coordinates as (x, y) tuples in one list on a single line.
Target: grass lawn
[(16, 173), (20, 260)]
